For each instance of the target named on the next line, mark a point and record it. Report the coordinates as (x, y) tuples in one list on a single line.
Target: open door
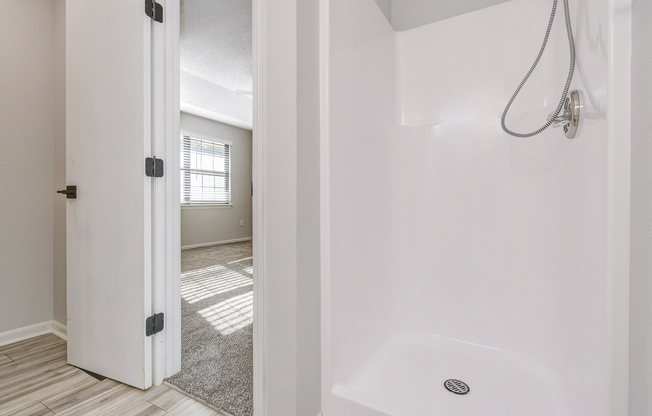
[(109, 224)]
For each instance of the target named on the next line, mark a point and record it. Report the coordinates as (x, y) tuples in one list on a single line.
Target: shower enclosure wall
[(452, 250)]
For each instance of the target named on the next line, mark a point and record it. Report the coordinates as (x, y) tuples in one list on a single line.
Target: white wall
[(288, 139), (212, 224), (276, 133), (308, 216), (640, 380), (27, 117)]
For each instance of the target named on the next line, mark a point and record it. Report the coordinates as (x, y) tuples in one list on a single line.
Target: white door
[(109, 225)]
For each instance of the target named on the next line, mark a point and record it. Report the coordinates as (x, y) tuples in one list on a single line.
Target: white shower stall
[(452, 250)]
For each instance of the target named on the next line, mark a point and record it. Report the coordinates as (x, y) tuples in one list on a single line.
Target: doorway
[(215, 197)]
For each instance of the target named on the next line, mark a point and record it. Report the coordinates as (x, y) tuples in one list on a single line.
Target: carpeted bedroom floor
[(217, 327)]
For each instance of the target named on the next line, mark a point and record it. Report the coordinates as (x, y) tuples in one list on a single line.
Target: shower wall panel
[(362, 99), (503, 239)]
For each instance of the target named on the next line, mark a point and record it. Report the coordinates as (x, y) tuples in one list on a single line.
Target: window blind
[(205, 171)]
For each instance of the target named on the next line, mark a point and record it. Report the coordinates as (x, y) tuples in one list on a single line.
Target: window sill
[(206, 206)]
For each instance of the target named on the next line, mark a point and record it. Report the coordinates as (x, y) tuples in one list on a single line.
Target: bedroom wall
[(27, 117), (213, 224)]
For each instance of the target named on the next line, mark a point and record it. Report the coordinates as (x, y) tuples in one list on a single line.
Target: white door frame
[(257, 202), (167, 295)]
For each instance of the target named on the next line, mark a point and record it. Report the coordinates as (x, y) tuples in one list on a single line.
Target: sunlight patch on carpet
[(232, 314), (200, 284)]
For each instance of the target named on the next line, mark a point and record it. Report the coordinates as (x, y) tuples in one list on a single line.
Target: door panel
[(109, 224)]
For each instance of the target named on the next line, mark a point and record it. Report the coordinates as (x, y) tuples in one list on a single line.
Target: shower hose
[(554, 117)]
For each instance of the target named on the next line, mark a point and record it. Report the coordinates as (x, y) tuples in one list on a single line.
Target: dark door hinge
[(154, 324), (154, 10), (154, 167)]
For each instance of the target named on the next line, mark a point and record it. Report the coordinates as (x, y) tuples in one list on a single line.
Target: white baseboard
[(25, 332), (31, 331), (216, 243), (60, 330)]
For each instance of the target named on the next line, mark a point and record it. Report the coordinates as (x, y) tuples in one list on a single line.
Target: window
[(205, 171)]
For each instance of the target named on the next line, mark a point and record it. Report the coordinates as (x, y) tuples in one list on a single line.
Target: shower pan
[(465, 271)]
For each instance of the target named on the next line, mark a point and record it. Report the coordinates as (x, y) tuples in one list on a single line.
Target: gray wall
[(59, 287), (202, 225), (27, 117), (640, 377)]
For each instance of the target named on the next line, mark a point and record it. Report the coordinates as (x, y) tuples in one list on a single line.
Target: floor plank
[(145, 409), (31, 341), (37, 359), (24, 387), (105, 402), (68, 401), (147, 395), (36, 410), (18, 353), (169, 400), (191, 407), (35, 380), (40, 354), (33, 374), (61, 388)]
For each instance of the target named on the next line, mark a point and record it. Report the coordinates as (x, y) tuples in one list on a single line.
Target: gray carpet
[(217, 327)]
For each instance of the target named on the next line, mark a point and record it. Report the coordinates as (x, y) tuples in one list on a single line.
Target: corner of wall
[(59, 174)]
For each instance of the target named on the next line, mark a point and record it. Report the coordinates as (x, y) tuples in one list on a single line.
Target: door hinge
[(154, 324), (154, 167), (154, 10)]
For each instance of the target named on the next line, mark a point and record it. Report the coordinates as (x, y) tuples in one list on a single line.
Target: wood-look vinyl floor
[(35, 380)]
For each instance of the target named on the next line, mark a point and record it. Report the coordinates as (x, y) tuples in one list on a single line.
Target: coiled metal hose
[(554, 117)]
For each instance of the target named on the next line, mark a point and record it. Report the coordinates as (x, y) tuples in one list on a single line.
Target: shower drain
[(456, 386)]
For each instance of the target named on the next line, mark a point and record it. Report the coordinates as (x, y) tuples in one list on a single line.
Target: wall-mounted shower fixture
[(569, 119), (570, 104)]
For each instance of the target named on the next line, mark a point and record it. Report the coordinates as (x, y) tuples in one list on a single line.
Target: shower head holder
[(569, 119)]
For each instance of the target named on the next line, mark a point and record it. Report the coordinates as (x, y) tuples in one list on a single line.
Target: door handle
[(70, 192)]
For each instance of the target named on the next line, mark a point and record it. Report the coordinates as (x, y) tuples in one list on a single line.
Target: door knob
[(70, 192)]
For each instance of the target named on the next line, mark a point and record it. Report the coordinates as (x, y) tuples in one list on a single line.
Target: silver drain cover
[(456, 386)]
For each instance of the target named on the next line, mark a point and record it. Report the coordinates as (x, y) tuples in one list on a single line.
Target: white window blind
[(205, 171)]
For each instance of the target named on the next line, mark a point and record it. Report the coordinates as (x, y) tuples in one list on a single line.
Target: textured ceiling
[(216, 56), (216, 53), (408, 14)]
